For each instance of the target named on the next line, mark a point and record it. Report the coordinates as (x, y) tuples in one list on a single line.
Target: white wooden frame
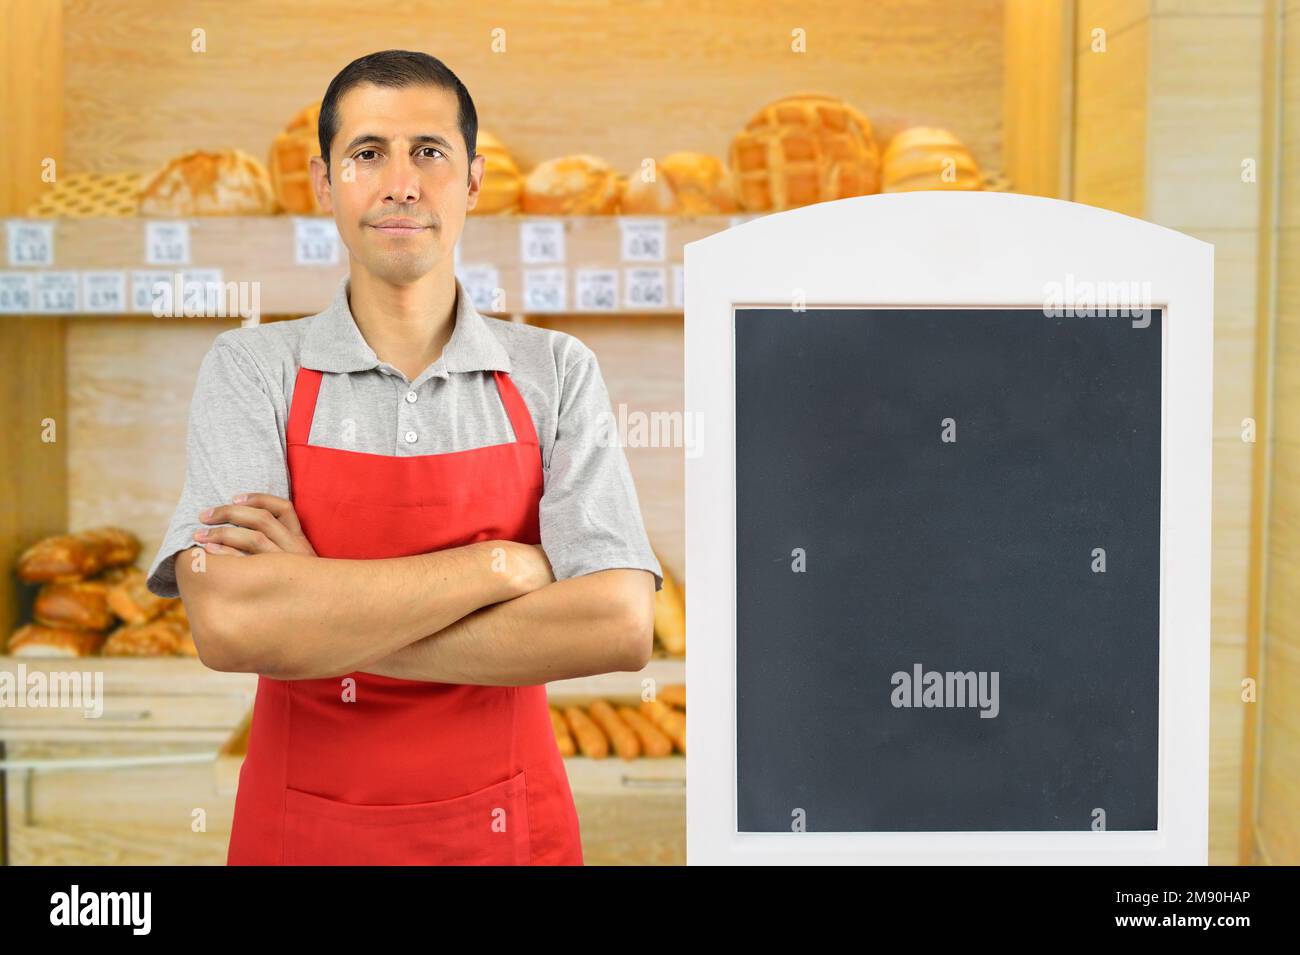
[(948, 249)]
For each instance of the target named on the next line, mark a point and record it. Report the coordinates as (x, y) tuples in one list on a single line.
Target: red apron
[(370, 770)]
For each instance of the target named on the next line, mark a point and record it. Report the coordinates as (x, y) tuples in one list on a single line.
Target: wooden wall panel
[(623, 81)]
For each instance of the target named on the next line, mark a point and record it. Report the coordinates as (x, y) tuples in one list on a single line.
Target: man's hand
[(264, 524)]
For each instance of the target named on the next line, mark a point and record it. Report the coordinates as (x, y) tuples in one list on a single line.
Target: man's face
[(399, 155)]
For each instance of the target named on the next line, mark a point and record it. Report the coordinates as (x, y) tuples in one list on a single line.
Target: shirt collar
[(334, 343)]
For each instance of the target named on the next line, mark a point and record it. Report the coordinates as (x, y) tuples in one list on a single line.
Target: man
[(403, 519)]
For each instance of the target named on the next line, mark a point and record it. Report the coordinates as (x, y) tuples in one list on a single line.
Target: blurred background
[(147, 141)]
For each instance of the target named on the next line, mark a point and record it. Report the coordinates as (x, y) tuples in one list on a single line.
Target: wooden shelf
[(263, 253)]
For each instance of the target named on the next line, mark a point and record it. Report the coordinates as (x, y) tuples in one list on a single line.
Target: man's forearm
[(574, 627), (292, 616)]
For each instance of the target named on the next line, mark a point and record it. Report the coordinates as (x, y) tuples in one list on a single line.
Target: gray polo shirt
[(589, 515)]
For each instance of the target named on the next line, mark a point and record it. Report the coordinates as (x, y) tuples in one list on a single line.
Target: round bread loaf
[(927, 157), (502, 184), (289, 162), (226, 183), (579, 185), (805, 148), (684, 183)]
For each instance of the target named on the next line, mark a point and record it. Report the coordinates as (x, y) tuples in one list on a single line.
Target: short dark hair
[(394, 68)]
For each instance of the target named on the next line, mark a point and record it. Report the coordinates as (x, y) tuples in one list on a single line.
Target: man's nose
[(402, 181)]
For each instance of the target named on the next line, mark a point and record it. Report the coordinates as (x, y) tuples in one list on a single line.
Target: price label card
[(57, 293), (146, 286), (646, 288), (30, 243), (644, 240), (541, 241), (315, 241), (204, 294), (483, 283), (544, 290), (679, 287), (167, 243), (103, 292), (597, 290), (16, 294)]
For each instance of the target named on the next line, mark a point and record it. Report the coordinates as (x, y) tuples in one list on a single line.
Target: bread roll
[(131, 600), (590, 739), (670, 614), (674, 695), (502, 184), (75, 605), (580, 185), (35, 640), (67, 557), (805, 148), (225, 183), (160, 637), (671, 721), (654, 742), (563, 738), (620, 734), (926, 157), (685, 183)]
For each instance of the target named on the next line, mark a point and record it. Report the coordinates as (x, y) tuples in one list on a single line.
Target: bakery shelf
[(265, 250)]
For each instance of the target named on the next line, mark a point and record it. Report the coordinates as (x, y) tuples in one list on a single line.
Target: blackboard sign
[(947, 569)]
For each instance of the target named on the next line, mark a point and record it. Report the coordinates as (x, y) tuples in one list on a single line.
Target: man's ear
[(477, 169), (320, 183)]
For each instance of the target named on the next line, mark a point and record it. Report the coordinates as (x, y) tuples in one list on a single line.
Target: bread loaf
[(571, 185), (36, 640), (502, 184), (225, 183), (805, 148), (670, 614), (134, 602), (289, 163), (67, 557), (684, 183), (926, 157), (74, 605), (160, 637)]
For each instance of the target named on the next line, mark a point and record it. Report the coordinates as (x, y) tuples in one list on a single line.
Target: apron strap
[(520, 419), (303, 407)]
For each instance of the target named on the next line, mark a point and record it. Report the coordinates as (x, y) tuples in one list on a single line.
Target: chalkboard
[(928, 501)]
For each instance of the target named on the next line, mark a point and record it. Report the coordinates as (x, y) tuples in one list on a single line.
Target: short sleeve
[(590, 516), (233, 445)]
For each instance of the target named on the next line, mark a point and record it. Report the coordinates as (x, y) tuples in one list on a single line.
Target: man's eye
[(363, 152), (434, 148)]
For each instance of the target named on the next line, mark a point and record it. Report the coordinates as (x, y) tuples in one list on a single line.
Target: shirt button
[(411, 396), (410, 437)]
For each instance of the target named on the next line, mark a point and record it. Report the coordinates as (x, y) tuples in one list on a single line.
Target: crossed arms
[(260, 600)]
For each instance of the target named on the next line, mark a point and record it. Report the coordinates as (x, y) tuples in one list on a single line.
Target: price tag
[(16, 293), (644, 240), (482, 283), (544, 290), (204, 294), (30, 243), (103, 292), (147, 286), (315, 241), (679, 287), (646, 288), (541, 241), (167, 243), (597, 290), (56, 293)]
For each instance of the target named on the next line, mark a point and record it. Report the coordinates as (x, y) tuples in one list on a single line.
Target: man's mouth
[(399, 227)]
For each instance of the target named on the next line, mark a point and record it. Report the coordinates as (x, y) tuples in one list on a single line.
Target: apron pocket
[(486, 827)]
